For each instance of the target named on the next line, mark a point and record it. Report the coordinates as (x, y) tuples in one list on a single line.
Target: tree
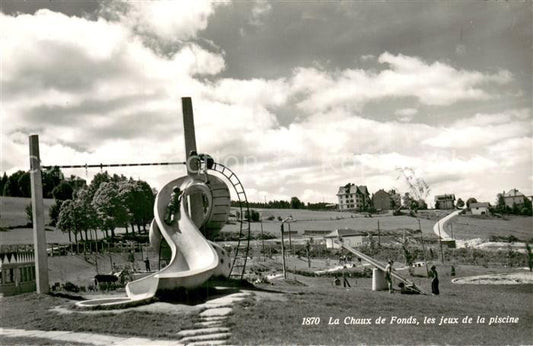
[(3, 182), (296, 203), (460, 203), (527, 208), (66, 220), (53, 212), (422, 205), (110, 209), (63, 191), (252, 216), (500, 204), (29, 214), (138, 198), (469, 201), (51, 178), (12, 187), (24, 183), (407, 200)]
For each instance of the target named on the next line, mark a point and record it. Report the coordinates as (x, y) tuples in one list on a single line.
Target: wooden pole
[(379, 236), (39, 235), (440, 244), (290, 240), (423, 247), (283, 252)]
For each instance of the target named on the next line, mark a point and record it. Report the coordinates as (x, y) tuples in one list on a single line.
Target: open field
[(13, 211), (331, 220), (464, 227), (471, 227)]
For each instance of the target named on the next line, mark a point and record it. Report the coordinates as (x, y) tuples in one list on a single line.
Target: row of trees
[(107, 203), (18, 183), (294, 203)]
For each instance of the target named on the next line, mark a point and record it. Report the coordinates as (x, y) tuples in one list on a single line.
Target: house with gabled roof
[(481, 208), (446, 201), (513, 197), (353, 197)]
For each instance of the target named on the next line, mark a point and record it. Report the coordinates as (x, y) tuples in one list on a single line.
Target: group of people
[(406, 289)]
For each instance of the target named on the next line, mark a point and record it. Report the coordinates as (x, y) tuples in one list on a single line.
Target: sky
[(297, 97)]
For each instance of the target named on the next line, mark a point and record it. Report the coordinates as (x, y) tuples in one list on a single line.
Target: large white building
[(513, 197), (353, 197)]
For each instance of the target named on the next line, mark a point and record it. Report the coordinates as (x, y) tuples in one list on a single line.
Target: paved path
[(84, 338), (438, 229)]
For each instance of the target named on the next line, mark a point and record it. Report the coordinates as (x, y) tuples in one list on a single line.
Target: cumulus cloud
[(403, 76), (166, 19), (99, 91)]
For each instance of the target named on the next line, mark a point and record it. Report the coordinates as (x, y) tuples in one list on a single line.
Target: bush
[(70, 287)]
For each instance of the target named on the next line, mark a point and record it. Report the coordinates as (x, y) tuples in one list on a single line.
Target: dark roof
[(445, 197), (480, 204)]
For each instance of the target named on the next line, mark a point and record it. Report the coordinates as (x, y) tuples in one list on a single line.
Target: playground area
[(206, 273), (274, 313)]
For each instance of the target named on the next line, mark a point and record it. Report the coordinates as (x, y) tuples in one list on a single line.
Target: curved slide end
[(194, 259)]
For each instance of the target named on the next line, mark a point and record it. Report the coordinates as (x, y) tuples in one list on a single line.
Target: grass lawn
[(470, 227), (277, 318), (275, 322), (32, 311)]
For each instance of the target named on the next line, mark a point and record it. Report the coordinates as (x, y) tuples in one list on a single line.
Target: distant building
[(17, 272), (445, 201), (381, 200), (353, 197), (513, 197), (481, 208), (350, 237)]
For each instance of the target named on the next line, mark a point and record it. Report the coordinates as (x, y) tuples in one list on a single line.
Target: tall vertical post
[(195, 202), (379, 236), (423, 247), (283, 251), (39, 236)]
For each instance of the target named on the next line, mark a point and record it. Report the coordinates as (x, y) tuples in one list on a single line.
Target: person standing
[(435, 281), (388, 275), (147, 264)]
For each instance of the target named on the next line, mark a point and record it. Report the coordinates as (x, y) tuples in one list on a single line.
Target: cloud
[(166, 19), (406, 114), (481, 130), (435, 84), (103, 90), (260, 11)]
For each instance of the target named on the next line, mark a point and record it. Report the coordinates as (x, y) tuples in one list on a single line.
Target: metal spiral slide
[(194, 259)]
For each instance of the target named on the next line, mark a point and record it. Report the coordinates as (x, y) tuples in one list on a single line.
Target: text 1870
[(310, 321)]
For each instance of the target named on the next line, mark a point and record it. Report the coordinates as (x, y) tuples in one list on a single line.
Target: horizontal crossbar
[(102, 165)]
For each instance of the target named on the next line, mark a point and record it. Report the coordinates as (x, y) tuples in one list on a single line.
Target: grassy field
[(470, 227), (331, 220), (274, 322), (13, 211), (277, 317)]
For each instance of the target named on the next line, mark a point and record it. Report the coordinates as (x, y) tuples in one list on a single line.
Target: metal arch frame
[(241, 195)]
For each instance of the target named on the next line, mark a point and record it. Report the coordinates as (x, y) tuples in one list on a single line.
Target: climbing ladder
[(238, 265)]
